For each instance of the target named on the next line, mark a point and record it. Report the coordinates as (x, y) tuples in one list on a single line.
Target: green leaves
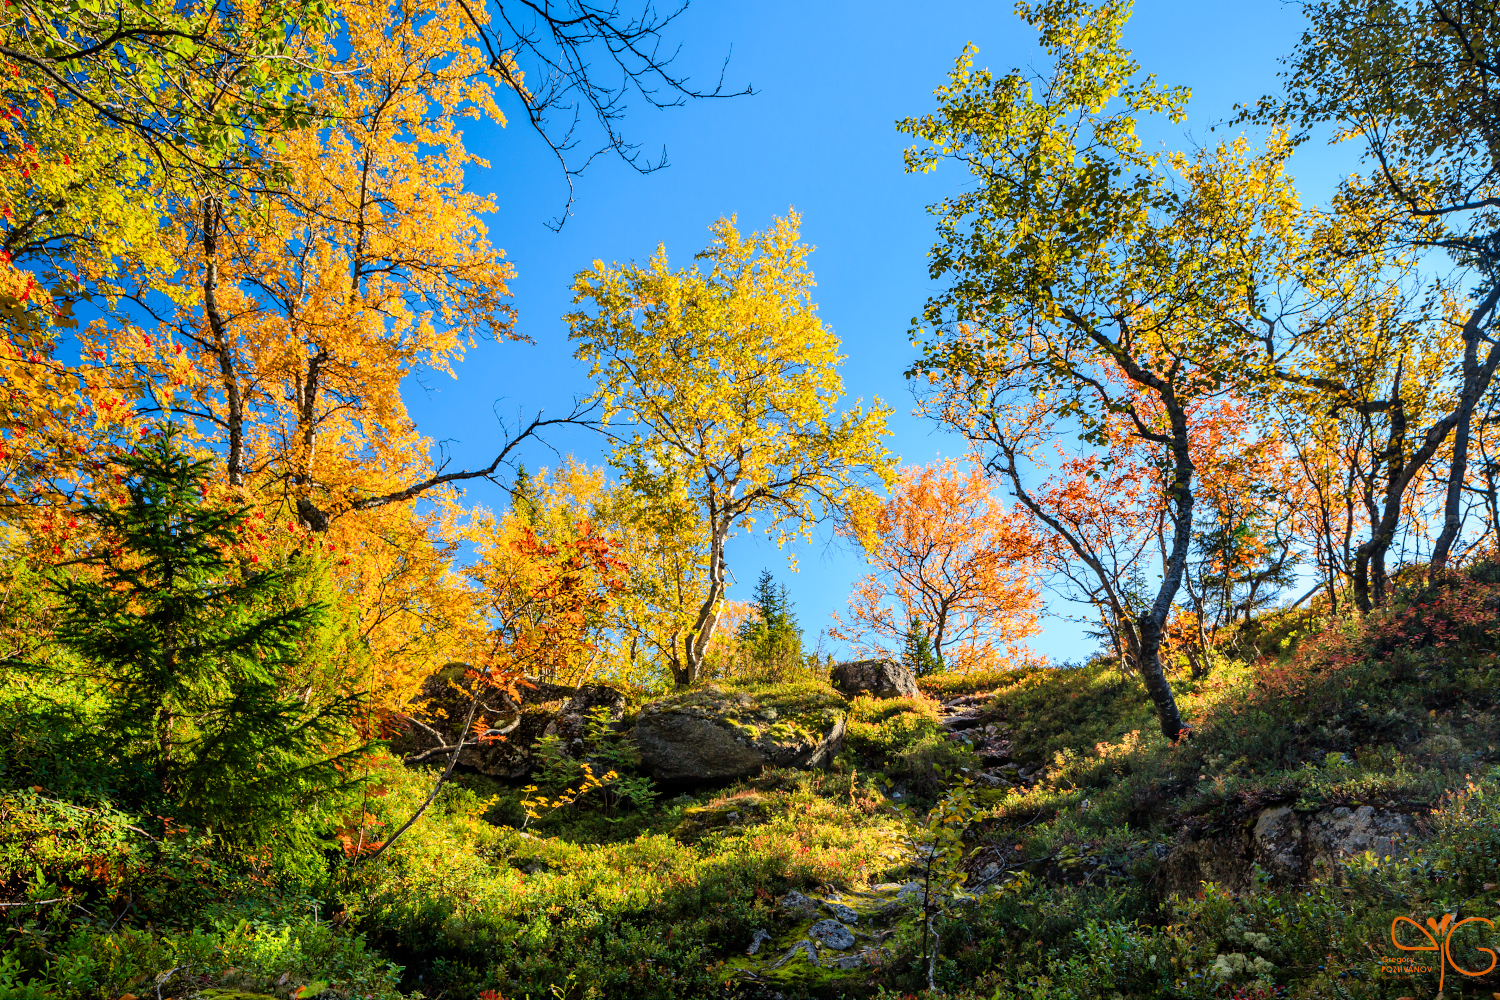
[(121, 110)]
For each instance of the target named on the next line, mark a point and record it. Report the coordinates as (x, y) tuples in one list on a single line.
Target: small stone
[(843, 913), (804, 948), (847, 962), (912, 890), (832, 933), (794, 900), (761, 936)]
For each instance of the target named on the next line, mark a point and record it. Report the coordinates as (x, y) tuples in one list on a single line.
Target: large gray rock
[(882, 678), (711, 735), (832, 933), (573, 719), (1288, 845)]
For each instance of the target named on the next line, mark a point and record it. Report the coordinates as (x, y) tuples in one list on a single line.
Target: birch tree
[(723, 375)]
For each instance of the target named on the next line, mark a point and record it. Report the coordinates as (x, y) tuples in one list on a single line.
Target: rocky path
[(837, 934), (967, 720)]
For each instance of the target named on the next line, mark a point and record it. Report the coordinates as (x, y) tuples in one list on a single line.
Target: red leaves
[(355, 836)]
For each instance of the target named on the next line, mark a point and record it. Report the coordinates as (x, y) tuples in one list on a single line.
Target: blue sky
[(832, 78)]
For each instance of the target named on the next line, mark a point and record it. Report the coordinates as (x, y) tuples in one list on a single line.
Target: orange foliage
[(946, 552), (1112, 504), (545, 602), (299, 315)]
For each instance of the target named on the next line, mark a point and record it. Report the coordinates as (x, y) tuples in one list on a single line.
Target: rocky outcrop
[(881, 678), (843, 947), (573, 719), (714, 735), (1288, 845), (438, 711)]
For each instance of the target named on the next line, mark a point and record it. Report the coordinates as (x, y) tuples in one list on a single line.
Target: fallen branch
[(438, 751)]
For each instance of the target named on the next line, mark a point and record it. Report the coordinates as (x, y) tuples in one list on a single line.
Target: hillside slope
[(1028, 832)]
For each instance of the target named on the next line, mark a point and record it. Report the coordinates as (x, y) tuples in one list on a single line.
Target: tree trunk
[(687, 667), (1477, 379), (1369, 558), (1155, 678), (307, 390), (1151, 625), (1145, 651), (1453, 501), (223, 351)]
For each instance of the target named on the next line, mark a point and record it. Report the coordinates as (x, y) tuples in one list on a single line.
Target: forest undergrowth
[(1069, 884)]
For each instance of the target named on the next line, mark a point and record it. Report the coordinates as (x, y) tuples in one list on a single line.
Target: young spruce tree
[(770, 635), (919, 654), (202, 652)]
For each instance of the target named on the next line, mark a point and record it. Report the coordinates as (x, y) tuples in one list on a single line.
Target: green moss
[(799, 711), (945, 686)]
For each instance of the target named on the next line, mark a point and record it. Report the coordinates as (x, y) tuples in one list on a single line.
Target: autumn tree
[(545, 597), (1088, 279), (113, 116), (1363, 404), (664, 545), (116, 112), (307, 306), (301, 310), (723, 375), (1413, 84), (659, 542), (952, 565)]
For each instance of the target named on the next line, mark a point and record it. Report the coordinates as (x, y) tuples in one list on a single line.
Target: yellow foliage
[(732, 385)]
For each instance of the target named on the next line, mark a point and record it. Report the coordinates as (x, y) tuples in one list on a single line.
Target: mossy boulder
[(882, 678), (721, 732)]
